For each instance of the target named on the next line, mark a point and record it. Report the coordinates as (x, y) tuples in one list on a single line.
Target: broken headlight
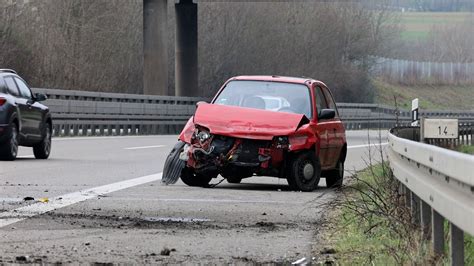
[(201, 134)]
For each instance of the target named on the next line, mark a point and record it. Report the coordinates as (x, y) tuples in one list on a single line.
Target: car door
[(336, 130), (34, 114), (22, 106), (322, 128)]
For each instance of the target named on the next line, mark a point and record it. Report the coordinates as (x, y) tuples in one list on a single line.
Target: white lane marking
[(145, 147), (367, 145), (25, 156), (20, 214), (115, 137)]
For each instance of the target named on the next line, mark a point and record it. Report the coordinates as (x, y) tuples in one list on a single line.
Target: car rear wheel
[(190, 178), (304, 172), (43, 149), (9, 149), (335, 177)]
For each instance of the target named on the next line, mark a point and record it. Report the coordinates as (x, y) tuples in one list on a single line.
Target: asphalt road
[(106, 204)]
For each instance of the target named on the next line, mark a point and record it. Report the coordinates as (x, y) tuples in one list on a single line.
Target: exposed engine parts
[(231, 157)]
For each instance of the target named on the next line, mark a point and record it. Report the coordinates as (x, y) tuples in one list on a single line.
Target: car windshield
[(265, 95)]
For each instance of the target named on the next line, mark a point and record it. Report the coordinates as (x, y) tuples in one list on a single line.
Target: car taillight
[(2, 101)]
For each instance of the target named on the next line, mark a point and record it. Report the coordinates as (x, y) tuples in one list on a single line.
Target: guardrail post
[(425, 219), (415, 208), (438, 232), (407, 197), (457, 245)]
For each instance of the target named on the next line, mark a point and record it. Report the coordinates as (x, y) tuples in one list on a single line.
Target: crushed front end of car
[(235, 143)]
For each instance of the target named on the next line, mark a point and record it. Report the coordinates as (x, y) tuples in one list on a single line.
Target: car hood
[(247, 123)]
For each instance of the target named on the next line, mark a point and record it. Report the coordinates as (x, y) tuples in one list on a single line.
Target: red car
[(262, 126)]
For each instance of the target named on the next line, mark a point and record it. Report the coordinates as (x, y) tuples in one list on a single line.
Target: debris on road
[(22, 258), (328, 251), (28, 198), (44, 200), (165, 252), (301, 261)]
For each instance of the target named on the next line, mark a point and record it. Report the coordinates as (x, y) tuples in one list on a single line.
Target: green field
[(454, 97), (416, 25)]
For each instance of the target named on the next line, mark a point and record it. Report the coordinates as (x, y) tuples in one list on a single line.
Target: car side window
[(320, 101), (330, 100), (11, 86), (24, 90)]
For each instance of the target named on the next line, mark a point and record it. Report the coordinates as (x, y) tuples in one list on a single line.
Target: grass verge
[(466, 149), (371, 225), (431, 97)]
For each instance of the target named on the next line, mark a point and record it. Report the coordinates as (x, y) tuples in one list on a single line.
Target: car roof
[(7, 72), (297, 80)]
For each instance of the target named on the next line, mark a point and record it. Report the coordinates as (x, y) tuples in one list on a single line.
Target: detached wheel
[(335, 177), (173, 165), (9, 149), (42, 150), (304, 172), (190, 178)]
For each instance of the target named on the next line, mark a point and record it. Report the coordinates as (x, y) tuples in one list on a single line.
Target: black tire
[(234, 180), (42, 150), (190, 178), (304, 172), (9, 149), (173, 165), (335, 177)]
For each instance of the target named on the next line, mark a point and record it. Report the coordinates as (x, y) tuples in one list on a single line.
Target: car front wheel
[(190, 178), (43, 149), (9, 149), (304, 172)]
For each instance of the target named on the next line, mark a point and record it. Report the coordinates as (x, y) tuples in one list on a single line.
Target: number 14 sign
[(434, 128)]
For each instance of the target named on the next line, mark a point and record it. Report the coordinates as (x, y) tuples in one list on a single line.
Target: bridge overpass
[(155, 47)]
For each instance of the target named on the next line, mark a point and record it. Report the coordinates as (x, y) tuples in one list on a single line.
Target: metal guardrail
[(80, 113), (438, 184)]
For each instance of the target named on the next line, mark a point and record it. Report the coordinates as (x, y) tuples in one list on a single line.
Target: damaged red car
[(275, 126)]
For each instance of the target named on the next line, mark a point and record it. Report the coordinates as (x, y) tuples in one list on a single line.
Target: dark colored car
[(24, 121), (265, 126)]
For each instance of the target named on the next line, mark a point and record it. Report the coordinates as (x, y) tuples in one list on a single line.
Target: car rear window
[(266, 95)]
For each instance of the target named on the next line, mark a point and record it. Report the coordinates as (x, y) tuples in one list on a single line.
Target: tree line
[(97, 44)]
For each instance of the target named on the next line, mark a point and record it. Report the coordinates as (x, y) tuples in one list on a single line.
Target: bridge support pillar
[(155, 48), (186, 66)]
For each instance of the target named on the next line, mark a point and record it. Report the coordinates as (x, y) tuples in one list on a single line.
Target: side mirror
[(39, 97), (200, 102), (327, 114)]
